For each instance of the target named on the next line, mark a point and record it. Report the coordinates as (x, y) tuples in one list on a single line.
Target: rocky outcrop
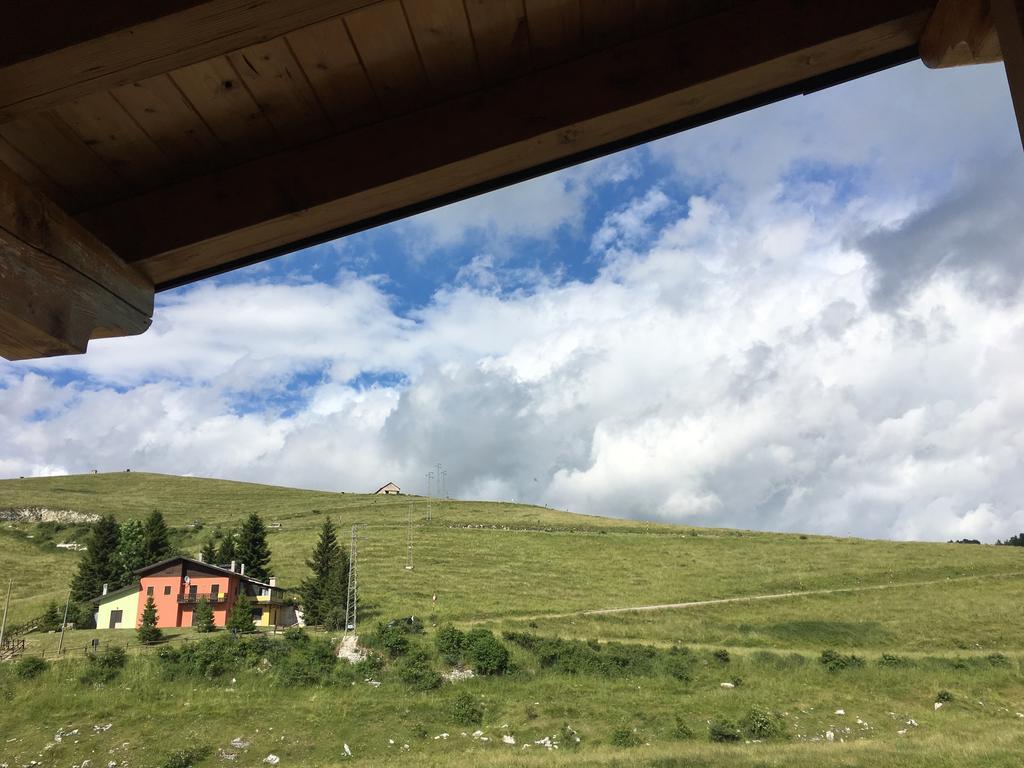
[(45, 515)]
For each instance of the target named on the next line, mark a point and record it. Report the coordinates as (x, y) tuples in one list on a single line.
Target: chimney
[(233, 565), (199, 557), (242, 569), (273, 581), (104, 589)]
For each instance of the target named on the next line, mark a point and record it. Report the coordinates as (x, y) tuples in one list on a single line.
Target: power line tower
[(430, 502), (444, 484), (408, 555), (352, 598)]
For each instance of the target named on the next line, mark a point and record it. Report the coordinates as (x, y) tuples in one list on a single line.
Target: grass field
[(944, 608)]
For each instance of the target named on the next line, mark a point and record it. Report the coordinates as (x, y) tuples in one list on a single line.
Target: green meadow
[(921, 618)]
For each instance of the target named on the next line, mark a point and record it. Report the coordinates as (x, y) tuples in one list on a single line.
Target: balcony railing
[(211, 597)]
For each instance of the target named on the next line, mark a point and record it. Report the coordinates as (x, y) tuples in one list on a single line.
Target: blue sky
[(806, 317)]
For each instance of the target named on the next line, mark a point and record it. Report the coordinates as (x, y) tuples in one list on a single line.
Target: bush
[(944, 696), (998, 660), (569, 738), (30, 667), (723, 730), (679, 663), (186, 758), (450, 643), (761, 723), (487, 653), (834, 661), (416, 671), (682, 730), (466, 710), (104, 667), (721, 656), (893, 661), (625, 737)]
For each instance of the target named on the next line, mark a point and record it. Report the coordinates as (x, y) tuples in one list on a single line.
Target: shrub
[(186, 758), (568, 737), (30, 667), (416, 671), (944, 696), (893, 661), (723, 730), (682, 730), (679, 663), (721, 656), (488, 654), (104, 667), (466, 710), (834, 661), (450, 643), (625, 737), (761, 723), (305, 661), (998, 660)]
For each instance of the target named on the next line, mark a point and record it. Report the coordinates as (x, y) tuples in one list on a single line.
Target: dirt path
[(752, 598)]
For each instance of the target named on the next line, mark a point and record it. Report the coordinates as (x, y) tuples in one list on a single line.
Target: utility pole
[(352, 598), (408, 556), (430, 503), (63, 624), (444, 484), (7, 604)]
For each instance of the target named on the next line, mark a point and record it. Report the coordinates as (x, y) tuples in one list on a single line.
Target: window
[(167, 590), (149, 591), (215, 590)]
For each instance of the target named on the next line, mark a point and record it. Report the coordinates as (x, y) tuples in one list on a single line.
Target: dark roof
[(122, 591), (209, 566)]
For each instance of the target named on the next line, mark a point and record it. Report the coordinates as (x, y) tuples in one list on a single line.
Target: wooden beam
[(960, 32), (134, 45), (1009, 15), (697, 67), (59, 285)]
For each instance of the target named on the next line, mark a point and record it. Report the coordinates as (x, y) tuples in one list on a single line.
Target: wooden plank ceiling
[(193, 136)]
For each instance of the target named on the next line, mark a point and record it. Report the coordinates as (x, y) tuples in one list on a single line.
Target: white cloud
[(731, 366)]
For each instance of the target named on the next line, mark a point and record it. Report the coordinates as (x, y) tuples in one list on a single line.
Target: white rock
[(830, 736), (938, 705), (391, 741), (239, 743), (840, 711), (1020, 714), (271, 759), (348, 751), (912, 722), (727, 685), (506, 739), (477, 734), (902, 732), (102, 728)]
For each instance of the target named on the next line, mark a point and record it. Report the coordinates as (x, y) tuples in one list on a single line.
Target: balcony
[(213, 598)]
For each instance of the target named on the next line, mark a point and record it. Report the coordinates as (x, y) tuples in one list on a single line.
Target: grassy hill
[(775, 601)]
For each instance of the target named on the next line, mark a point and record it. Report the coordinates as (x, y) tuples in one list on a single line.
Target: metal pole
[(7, 604), (408, 556), (64, 623)]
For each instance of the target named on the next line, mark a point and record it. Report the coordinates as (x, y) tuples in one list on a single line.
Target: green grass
[(510, 566)]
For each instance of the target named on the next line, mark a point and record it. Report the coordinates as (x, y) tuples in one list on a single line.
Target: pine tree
[(202, 616), (324, 593), (148, 631), (252, 548), (130, 554), (98, 566), (227, 551), (240, 619), (209, 552), (51, 618), (156, 538)]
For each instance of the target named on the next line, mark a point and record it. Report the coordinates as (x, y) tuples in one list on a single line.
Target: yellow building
[(118, 609), (269, 608)]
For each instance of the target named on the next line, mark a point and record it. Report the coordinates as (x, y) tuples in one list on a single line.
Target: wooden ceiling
[(186, 137)]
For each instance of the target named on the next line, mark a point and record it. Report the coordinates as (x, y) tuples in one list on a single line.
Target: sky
[(808, 317)]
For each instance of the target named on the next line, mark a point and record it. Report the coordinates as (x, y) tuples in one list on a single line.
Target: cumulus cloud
[(801, 358)]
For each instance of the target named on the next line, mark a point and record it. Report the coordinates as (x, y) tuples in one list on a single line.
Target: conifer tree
[(209, 552), (228, 550), (98, 566), (240, 619), (202, 616), (148, 631), (324, 593), (51, 618), (130, 554), (252, 549), (156, 538)]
